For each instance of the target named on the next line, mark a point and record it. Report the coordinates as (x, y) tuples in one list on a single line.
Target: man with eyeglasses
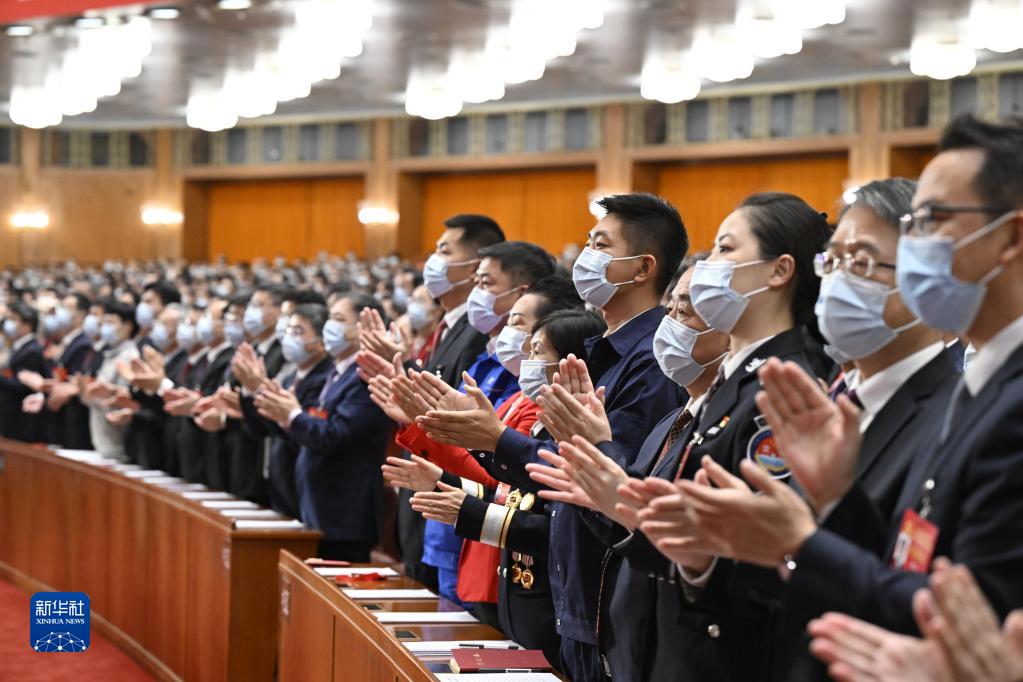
[(960, 270)]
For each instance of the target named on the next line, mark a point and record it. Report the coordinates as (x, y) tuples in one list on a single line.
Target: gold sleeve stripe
[(472, 488), (505, 527), (493, 524)]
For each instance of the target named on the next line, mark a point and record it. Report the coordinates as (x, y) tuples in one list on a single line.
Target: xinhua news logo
[(59, 622)]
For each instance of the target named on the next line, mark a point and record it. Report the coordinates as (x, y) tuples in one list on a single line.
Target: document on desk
[(498, 677), (206, 495), (424, 617), (250, 513), (389, 594), (334, 571), (442, 649), (144, 473), (268, 524), (86, 456), (229, 504)]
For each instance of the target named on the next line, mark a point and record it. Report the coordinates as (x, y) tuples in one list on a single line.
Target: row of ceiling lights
[(537, 32)]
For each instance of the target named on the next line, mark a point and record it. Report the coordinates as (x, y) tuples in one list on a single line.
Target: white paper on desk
[(86, 456), (206, 495), (498, 677), (163, 480), (269, 524), (424, 617), (250, 513), (229, 504), (186, 488), (444, 648), (144, 473), (389, 594), (332, 571), (127, 467)]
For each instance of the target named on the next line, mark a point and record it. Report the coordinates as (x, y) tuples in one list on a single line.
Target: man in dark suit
[(449, 276), (26, 355), (303, 348), (342, 439)]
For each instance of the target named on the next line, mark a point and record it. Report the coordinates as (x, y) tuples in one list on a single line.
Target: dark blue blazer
[(340, 484), (69, 426), (13, 423), (976, 505), (283, 451)]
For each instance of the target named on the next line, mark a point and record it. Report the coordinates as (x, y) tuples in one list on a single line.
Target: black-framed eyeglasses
[(924, 220), (861, 264)]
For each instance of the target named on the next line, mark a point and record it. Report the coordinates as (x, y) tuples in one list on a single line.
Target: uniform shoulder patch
[(762, 451)]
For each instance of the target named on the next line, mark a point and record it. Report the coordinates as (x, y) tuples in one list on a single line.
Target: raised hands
[(417, 474), (819, 440), (571, 406), (476, 428), (248, 368), (34, 381), (375, 337), (178, 402), (276, 403), (442, 506)]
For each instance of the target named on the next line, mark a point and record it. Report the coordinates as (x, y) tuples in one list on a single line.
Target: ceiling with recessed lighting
[(409, 46)]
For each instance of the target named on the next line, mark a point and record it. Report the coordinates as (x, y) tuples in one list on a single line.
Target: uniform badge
[(763, 452), (317, 412), (754, 364)]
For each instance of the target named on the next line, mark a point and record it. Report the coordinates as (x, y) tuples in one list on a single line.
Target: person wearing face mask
[(449, 276), (423, 315), (505, 272), (960, 269), (631, 256), (525, 608), (302, 348), (475, 424), (155, 296), (342, 439), (26, 354), (117, 331), (290, 299)]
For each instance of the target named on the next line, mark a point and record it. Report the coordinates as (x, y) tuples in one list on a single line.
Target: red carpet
[(103, 661)]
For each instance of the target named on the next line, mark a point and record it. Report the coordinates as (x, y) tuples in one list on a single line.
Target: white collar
[(992, 356), (21, 343), (875, 392), (70, 337), (196, 356), (264, 345), (342, 365), (452, 316), (733, 362), (695, 404), (121, 347), (215, 352)]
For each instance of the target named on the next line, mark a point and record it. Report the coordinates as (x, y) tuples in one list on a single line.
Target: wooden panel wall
[(294, 218), (548, 207), (908, 162), (707, 191), (94, 215)]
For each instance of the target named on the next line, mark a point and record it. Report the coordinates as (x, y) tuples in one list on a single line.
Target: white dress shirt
[(992, 356), (875, 392)]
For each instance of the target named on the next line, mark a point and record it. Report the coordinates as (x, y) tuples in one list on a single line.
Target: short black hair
[(239, 300), (125, 312), (25, 313), (361, 300), (300, 296), (1000, 178), (82, 302), (278, 292), (558, 293), (167, 292), (523, 262), (313, 313), (888, 199), (785, 224), (567, 330), (478, 231), (652, 226)]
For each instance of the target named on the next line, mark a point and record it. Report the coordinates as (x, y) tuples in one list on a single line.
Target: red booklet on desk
[(499, 661)]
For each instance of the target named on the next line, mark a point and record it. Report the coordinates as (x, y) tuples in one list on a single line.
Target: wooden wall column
[(382, 192), (869, 155), (614, 167)]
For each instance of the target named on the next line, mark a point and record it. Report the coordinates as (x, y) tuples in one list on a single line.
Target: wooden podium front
[(170, 581), (327, 637)]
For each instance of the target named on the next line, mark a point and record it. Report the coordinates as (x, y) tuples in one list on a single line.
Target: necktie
[(327, 384), (852, 395), (718, 381), (838, 387), (434, 339), (677, 427)]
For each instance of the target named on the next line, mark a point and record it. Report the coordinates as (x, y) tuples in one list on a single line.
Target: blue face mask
[(282, 328), (481, 310), (109, 334), (928, 287), (850, 313), (509, 349), (144, 315), (10, 328), (335, 338), (91, 326), (435, 275), (186, 335), (253, 321), (294, 349), (716, 302), (51, 325), (160, 337), (63, 317), (234, 332), (418, 315), (205, 330), (589, 274), (533, 377)]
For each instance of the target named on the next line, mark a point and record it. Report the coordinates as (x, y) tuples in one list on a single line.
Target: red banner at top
[(20, 10)]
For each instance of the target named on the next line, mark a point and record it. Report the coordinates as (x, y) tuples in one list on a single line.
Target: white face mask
[(673, 349), (533, 377), (850, 313), (716, 302), (481, 309), (509, 349), (435, 275), (418, 315), (590, 277)]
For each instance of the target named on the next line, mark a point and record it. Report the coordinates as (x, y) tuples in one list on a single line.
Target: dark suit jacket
[(977, 473), (13, 423), (648, 630), (144, 439), (340, 484), (246, 454), (454, 354), (69, 425), (195, 459)]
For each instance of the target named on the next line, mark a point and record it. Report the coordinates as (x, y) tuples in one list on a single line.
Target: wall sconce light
[(376, 215), (30, 220), (158, 215)]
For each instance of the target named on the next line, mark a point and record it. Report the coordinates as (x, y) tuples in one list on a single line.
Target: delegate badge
[(762, 451)]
